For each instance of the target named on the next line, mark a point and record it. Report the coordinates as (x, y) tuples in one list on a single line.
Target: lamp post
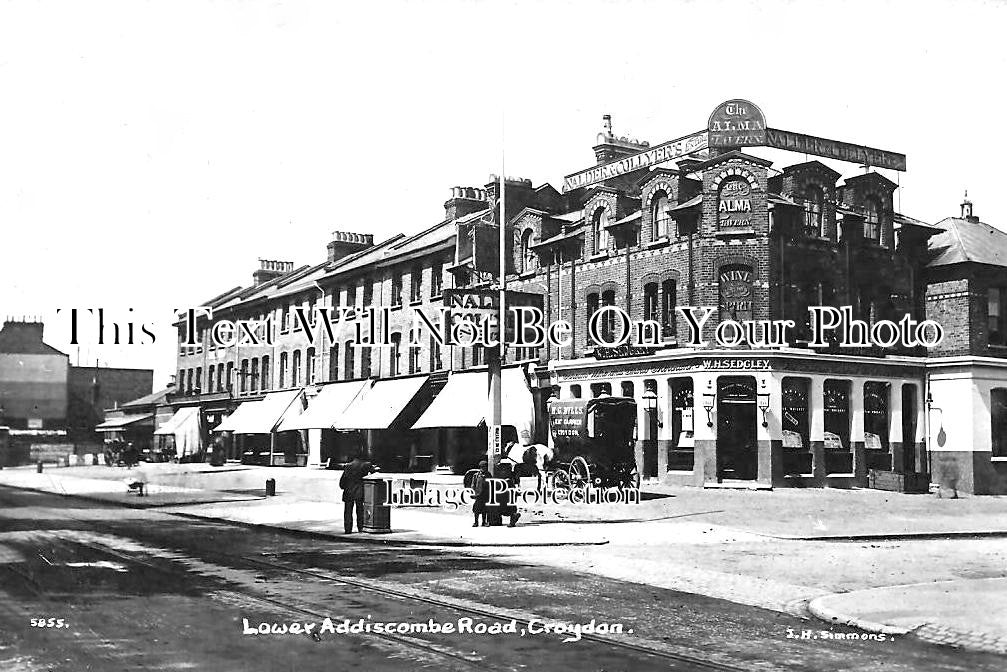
[(709, 399), (649, 399), (764, 403)]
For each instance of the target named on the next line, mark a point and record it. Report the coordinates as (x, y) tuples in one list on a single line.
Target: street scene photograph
[(613, 336)]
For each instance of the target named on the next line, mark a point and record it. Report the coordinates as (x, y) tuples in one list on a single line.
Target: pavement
[(920, 565)]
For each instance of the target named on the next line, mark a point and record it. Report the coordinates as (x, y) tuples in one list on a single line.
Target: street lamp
[(764, 404), (709, 399)]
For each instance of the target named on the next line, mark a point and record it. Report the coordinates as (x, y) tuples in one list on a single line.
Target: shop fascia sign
[(733, 124)]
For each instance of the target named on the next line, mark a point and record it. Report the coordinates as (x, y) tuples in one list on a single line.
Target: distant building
[(43, 395)]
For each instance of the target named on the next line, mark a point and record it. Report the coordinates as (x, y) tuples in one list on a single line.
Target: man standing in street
[(352, 484)]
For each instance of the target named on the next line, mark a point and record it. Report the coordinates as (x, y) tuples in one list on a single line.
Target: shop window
[(998, 420), (295, 369), (436, 279), (575, 392), (348, 369), (598, 389), (334, 361), (996, 307), (796, 421), (243, 383), (681, 451), (255, 374), (814, 211), (872, 222), (836, 411), (660, 216), (527, 253), (394, 354), (599, 231), (876, 424), (669, 299), (309, 366), (265, 372)]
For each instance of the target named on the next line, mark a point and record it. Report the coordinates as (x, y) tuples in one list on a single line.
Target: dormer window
[(660, 216), (814, 211), (599, 230), (872, 221)]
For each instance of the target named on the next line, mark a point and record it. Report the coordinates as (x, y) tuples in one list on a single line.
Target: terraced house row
[(704, 220)]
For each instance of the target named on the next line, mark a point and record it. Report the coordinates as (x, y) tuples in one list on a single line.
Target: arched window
[(265, 372), (348, 371), (436, 363), (243, 385), (229, 381), (872, 222), (255, 374), (599, 231), (295, 369), (814, 206), (396, 352), (527, 254), (284, 363), (660, 216), (209, 378), (334, 361), (309, 366), (592, 308), (608, 324), (414, 353), (221, 383), (650, 301), (669, 299)]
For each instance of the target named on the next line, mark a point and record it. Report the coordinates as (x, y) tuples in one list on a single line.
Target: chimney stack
[(346, 242), (610, 148), (269, 269)]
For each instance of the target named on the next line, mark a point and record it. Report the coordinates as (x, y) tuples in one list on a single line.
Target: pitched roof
[(964, 241), (152, 399)]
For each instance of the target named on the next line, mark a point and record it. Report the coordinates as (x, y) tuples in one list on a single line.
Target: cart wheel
[(579, 473), (560, 479)]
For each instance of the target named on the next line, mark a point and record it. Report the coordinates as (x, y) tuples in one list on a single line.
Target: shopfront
[(767, 418)]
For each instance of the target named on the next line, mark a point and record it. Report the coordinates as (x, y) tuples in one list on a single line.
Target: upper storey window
[(814, 211), (996, 313), (660, 216), (599, 230), (872, 222), (527, 254)]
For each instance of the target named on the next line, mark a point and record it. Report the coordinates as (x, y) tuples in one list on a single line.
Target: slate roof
[(964, 241), (25, 338)]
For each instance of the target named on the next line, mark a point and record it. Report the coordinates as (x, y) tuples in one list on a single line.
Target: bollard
[(270, 487), (38, 467)]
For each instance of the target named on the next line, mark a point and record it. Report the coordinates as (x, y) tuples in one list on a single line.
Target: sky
[(151, 153)]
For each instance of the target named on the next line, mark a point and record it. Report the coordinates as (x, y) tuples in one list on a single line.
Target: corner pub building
[(697, 221)]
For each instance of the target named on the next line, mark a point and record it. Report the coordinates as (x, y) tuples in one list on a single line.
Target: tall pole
[(495, 356)]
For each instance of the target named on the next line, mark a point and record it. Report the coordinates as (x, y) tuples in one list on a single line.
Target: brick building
[(694, 222)]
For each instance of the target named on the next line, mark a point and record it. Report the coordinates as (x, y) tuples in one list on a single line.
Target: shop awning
[(693, 202), (326, 407), (464, 402), (262, 417), (378, 406), (184, 426), (123, 422), (181, 417)]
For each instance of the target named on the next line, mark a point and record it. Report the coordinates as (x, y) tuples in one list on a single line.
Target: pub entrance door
[(737, 445)]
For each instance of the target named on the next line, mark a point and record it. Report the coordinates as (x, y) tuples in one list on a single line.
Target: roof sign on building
[(737, 123)]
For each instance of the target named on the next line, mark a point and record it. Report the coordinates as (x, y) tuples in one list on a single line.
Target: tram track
[(678, 657)]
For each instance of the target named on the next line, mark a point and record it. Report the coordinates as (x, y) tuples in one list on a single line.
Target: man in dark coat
[(352, 484)]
